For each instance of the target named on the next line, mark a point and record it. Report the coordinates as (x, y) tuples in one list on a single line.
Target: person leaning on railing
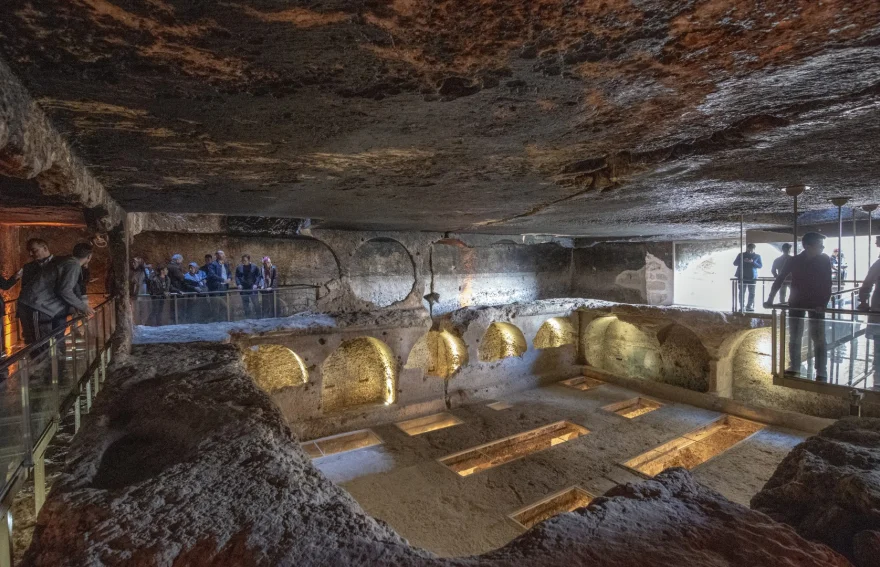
[(810, 273), (270, 282), (869, 300)]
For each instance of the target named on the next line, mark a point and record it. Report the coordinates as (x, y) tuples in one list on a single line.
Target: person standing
[(50, 290), (270, 281), (219, 278), (747, 266), (160, 290), (176, 272), (5, 285), (194, 289), (810, 273), (248, 279), (869, 300), (778, 265)]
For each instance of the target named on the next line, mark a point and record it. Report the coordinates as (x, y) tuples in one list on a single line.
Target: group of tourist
[(749, 262), (212, 279), (52, 287)]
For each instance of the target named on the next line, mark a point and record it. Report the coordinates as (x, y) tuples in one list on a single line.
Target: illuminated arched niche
[(555, 332), (361, 371), (622, 348), (438, 353), (502, 340), (275, 367)]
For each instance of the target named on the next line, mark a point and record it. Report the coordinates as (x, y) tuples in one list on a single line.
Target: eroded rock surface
[(185, 461), (828, 488)]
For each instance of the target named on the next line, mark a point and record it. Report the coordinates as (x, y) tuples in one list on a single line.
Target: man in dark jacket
[(219, 277), (50, 290), (810, 273), (248, 279), (176, 273), (869, 301), (747, 266)]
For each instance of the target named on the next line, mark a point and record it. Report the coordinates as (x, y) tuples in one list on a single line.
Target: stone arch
[(438, 353), (684, 360), (622, 348), (382, 272), (555, 332), (275, 367), (502, 340), (360, 372)]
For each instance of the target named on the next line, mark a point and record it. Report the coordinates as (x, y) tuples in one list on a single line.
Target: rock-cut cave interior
[(446, 282)]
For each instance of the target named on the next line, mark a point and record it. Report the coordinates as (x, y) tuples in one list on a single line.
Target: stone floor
[(402, 483)]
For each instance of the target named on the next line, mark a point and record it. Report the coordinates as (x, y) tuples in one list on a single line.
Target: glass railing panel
[(11, 432)]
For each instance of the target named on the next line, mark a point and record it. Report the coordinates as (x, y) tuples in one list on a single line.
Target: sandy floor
[(402, 483)]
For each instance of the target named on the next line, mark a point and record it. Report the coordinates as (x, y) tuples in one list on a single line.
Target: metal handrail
[(96, 336), (234, 290)]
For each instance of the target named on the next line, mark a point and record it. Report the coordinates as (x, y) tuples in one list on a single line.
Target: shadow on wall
[(382, 272), (275, 367), (673, 355), (504, 272), (438, 353), (502, 340), (360, 372)]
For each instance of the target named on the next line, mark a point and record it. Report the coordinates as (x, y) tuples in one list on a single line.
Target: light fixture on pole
[(870, 210), (839, 202), (794, 191)]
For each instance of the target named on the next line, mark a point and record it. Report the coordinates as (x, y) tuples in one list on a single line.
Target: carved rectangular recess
[(633, 407), (498, 406), (342, 443), (582, 383), (505, 450), (557, 503), (695, 447), (428, 423)]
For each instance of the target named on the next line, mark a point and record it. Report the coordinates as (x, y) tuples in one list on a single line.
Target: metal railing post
[(782, 345), (53, 358), (174, 301), (274, 303), (228, 306), (6, 556), (26, 430), (773, 338)]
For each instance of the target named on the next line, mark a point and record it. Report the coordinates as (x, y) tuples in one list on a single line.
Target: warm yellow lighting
[(428, 423), (438, 353), (567, 500), (275, 367), (502, 340), (554, 333), (633, 408), (361, 371), (582, 383), (696, 447), (505, 450)]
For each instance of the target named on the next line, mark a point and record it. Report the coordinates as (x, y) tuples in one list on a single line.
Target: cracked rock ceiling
[(616, 118)]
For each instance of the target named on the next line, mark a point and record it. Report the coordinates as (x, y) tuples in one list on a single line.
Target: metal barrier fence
[(840, 354), (762, 289), (231, 305), (38, 386)]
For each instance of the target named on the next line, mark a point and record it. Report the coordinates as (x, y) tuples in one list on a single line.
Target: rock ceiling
[(618, 118)]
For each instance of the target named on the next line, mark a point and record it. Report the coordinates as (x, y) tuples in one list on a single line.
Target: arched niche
[(622, 348), (438, 353), (275, 367), (502, 340), (382, 272), (555, 332), (360, 372), (684, 359)]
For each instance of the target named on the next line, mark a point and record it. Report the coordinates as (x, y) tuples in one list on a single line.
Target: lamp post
[(839, 202), (794, 191), (870, 210)]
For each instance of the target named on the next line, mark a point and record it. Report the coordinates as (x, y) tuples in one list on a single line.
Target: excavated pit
[(342, 443), (428, 423), (696, 447), (633, 408), (511, 448), (563, 501)]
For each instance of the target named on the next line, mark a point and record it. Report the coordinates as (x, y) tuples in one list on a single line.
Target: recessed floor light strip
[(342, 443), (498, 406), (562, 501), (633, 407), (696, 447), (582, 383), (428, 423), (511, 448)]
